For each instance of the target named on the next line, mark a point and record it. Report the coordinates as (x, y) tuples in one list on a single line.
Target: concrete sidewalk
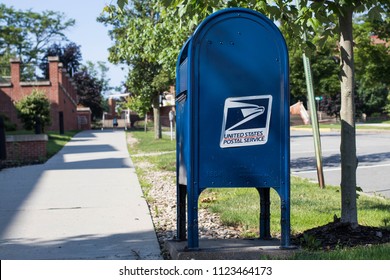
[(84, 203)]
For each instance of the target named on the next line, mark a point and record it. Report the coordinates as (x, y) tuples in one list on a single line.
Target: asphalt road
[(373, 152)]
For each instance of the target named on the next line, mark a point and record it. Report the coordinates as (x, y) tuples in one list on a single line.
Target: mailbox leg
[(265, 213), (193, 234), (285, 224), (181, 212)]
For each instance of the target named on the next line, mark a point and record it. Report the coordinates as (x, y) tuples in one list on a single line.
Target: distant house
[(59, 88), (378, 41)]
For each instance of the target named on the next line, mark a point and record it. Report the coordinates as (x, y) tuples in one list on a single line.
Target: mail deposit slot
[(232, 104)]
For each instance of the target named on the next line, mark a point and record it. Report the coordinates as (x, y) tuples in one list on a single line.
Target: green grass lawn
[(374, 252), (148, 145), (310, 206), (57, 141)]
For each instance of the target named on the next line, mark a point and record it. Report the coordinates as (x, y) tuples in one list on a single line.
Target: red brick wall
[(164, 115), (84, 118), (26, 147), (6, 106), (111, 107), (59, 89)]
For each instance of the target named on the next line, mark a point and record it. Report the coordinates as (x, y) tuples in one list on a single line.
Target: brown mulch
[(339, 235)]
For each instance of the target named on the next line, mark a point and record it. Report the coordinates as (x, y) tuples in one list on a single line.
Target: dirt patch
[(339, 235), (131, 141)]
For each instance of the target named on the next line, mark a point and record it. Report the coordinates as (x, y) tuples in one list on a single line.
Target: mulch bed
[(339, 235)]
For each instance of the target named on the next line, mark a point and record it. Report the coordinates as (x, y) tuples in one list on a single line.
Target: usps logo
[(246, 121)]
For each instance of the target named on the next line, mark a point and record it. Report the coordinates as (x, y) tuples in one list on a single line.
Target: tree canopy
[(89, 90), (27, 34), (139, 36), (372, 68), (69, 55), (161, 40), (372, 65)]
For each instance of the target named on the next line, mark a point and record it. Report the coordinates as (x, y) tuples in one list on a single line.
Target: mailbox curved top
[(238, 13), (234, 13), (237, 19)]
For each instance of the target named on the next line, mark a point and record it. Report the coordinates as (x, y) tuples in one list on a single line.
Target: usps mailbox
[(232, 104)]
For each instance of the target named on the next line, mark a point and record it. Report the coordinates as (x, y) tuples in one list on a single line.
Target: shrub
[(34, 111)]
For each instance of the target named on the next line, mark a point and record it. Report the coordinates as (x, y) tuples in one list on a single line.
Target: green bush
[(34, 111)]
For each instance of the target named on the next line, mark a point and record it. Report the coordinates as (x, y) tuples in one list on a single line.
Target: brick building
[(59, 88)]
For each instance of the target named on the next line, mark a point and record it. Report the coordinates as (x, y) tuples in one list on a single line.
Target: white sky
[(91, 35)]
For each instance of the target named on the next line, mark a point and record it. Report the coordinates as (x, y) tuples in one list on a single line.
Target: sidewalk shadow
[(82, 149), (332, 161), (109, 163), (18, 184), (127, 246), (309, 163)]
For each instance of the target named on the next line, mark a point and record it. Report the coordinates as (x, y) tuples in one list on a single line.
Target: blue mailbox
[(232, 114)]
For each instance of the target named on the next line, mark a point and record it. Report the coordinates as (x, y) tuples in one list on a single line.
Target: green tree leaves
[(89, 89), (143, 40), (372, 68), (26, 34)]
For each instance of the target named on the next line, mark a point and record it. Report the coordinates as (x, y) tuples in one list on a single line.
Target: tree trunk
[(347, 116), (146, 122), (156, 118)]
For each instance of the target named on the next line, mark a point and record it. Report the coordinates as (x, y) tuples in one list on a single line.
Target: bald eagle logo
[(245, 121)]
